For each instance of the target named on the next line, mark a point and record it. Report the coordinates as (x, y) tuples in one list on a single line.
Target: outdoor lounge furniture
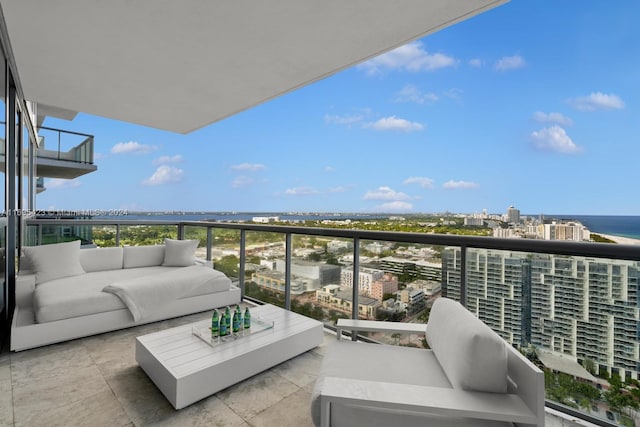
[(186, 369), (64, 292), (469, 377)]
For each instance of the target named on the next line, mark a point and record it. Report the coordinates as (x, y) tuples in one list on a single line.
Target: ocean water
[(239, 216), (618, 225)]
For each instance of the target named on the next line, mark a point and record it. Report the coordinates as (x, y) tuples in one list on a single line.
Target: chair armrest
[(422, 399), (377, 326)]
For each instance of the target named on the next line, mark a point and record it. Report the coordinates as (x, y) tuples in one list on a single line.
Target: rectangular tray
[(257, 325)]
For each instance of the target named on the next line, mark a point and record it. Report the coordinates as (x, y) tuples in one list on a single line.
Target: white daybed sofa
[(470, 377), (64, 292)]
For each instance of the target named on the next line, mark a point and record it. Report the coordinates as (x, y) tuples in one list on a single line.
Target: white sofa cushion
[(143, 256), (50, 262), (82, 295), (179, 253), (100, 259), (470, 353)]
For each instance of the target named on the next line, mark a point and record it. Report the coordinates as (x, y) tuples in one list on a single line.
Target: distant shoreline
[(619, 239)]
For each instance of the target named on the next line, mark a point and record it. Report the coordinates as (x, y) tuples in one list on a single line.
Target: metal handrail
[(86, 143), (586, 249)]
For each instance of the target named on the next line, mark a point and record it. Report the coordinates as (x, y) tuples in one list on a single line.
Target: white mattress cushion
[(471, 354), (50, 262), (100, 259), (82, 295), (179, 253), (143, 256)]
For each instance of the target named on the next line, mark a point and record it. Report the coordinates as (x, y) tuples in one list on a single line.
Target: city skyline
[(530, 104)]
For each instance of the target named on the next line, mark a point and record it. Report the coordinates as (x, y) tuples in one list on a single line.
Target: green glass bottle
[(247, 318), (227, 318), (237, 319), (224, 330), (215, 324)]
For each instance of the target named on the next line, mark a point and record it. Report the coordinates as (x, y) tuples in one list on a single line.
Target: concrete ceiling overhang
[(181, 65)]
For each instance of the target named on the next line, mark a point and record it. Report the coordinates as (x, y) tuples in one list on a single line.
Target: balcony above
[(61, 162), (118, 60), (65, 165)]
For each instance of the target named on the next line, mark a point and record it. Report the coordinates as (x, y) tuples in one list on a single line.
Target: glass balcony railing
[(65, 145), (573, 308)]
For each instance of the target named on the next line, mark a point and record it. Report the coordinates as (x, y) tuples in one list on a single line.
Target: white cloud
[(242, 181), (301, 191), (507, 63), (476, 62), (597, 101), (310, 191), (556, 118), (132, 147), (410, 93), (410, 57), (420, 180), (165, 175), (385, 193), (394, 123), (251, 167), (168, 159), (454, 185), (396, 206), (343, 120), (99, 156), (454, 93), (329, 168), (554, 138), (61, 184)]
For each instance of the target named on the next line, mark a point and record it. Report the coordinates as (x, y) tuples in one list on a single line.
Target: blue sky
[(534, 104)]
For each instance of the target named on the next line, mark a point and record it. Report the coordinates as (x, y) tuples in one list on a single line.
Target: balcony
[(96, 381), (72, 156), (238, 249), (69, 163)]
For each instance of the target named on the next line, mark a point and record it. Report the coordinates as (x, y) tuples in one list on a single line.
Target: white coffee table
[(186, 369)]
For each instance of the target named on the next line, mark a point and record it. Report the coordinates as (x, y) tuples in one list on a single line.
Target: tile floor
[(96, 382)]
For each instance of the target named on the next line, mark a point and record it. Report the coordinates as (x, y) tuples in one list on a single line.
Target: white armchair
[(469, 377)]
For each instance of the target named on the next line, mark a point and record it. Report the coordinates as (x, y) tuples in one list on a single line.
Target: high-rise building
[(572, 231), (585, 308), (513, 215)]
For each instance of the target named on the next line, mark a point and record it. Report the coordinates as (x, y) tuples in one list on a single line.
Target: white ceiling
[(181, 65)]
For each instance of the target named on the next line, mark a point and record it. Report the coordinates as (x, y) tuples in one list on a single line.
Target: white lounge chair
[(469, 377)]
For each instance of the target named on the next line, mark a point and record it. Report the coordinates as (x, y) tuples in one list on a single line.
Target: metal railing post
[(181, 231), (209, 243), (463, 275), (287, 272), (355, 283), (243, 257)]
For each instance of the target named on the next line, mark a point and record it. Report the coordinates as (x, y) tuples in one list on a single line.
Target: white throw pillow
[(472, 356), (101, 259), (179, 253), (143, 256), (50, 262)]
